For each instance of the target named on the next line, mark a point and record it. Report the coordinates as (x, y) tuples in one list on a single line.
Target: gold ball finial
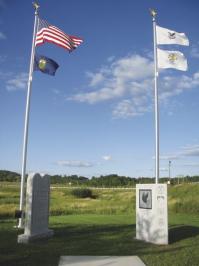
[(36, 6), (153, 12)]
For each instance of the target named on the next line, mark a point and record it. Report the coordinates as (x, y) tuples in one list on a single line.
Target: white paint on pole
[(25, 140), (156, 102)]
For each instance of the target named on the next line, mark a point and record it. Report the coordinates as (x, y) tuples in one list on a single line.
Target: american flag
[(49, 33)]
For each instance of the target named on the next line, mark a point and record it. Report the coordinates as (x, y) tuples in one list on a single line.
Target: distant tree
[(9, 176)]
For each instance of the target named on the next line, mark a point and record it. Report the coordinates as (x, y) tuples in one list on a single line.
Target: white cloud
[(110, 58), (107, 157), (191, 151), (164, 169), (170, 113), (125, 109), (170, 157), (191, 164), (70, 163), (194, 52), (174, 85), (129, 81), (187, 151), (56, 91), (95, 78), (2, 36), (19, 82), (116, 79), (2, 59), (134, 67)]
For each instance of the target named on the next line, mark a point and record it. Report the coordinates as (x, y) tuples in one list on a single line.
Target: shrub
[(82, 193)]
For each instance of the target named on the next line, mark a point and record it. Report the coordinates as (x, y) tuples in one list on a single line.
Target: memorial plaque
[(145, 198), (37, 209), (152, 213)]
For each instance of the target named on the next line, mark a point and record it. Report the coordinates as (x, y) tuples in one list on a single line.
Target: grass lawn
[(103, 225), (102, 235)]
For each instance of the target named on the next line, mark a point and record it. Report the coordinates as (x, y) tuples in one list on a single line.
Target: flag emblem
[(172, 57), (42, 64), (167, 36), (45, 65), (171, 35)]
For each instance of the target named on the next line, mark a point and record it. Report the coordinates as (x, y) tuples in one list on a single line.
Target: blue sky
[(96, 116)]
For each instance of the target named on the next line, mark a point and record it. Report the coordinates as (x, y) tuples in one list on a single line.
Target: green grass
[(103, 202), (101, 235), (182, 199), (102, 225)]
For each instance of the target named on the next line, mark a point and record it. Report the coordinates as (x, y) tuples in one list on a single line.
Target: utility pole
[(170, 172)]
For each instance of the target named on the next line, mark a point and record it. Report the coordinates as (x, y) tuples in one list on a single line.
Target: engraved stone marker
[(152, 213), (37, 209)]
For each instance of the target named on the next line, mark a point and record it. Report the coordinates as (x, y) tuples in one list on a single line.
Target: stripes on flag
[(52, 34)]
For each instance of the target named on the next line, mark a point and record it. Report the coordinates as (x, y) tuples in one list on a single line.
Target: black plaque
[(145, 199)]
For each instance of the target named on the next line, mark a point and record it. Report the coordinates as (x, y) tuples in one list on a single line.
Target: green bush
[(82, 193)]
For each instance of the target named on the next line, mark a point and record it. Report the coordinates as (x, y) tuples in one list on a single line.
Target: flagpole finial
[(153, 12), (36, 7)]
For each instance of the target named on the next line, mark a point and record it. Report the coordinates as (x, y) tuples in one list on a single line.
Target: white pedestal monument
[(37, 209), (152, 213)]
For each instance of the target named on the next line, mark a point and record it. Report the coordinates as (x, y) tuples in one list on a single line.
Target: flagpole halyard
[(25, 140), (153, 14)]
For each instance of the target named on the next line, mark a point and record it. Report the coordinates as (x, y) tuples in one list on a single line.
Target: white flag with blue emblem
[(171, 59), (166, 36)]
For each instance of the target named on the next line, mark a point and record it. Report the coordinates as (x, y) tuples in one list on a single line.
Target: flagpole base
[(20, 224)]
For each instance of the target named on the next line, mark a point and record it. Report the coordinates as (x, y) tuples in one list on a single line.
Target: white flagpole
[(25, 140), (153, 13)]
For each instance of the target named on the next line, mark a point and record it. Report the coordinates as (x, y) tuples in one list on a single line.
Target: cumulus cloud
[(174, 85), (95, 78), (116, 79), (129, 81), (164, 169), (194, 52), (19, 82), (170, 157), (2, 36), (187, 151), (129, 108), (56, 91), (107, 157), (71, 163), (2, 60), (191, 151), (191, 164)]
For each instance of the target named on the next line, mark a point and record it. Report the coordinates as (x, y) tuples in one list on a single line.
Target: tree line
[(112, 180)]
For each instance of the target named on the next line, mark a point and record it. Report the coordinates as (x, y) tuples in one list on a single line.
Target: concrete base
[(100, 261), (30, 238)]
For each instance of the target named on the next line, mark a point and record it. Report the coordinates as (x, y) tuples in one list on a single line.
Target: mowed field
[(101, 225)]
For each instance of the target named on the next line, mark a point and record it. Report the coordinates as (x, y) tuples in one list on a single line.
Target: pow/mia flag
[(45, 65), (171, 59), (166, 36)]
